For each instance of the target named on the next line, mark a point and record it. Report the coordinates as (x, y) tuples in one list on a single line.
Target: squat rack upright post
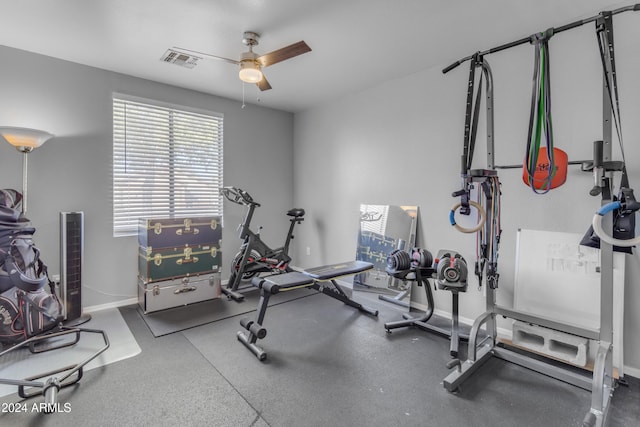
[(601, 383)]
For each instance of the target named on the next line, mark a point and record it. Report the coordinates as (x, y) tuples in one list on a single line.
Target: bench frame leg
[(338, 293), (255, 330)]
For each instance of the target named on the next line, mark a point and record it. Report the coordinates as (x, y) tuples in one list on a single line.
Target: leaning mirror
[(384, 228)]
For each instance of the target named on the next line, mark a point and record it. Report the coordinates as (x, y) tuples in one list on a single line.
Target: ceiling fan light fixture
[(251, 64), (250, 71)]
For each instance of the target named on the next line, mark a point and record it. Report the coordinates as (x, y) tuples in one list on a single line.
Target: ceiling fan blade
[(204, 55), (283, 54), (263, 84)]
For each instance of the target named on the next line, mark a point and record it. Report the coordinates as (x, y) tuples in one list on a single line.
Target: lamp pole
[(25, 174)]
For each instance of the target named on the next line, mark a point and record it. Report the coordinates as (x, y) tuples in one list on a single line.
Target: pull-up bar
[(549, 31)]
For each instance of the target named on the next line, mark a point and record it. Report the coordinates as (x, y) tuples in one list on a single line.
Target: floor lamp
[(25, 140)]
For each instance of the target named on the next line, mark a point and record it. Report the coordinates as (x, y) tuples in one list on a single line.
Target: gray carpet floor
[(185, 317), (327, 365)]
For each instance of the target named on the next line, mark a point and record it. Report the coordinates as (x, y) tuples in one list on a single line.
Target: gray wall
[(72, 172), (400, 143)]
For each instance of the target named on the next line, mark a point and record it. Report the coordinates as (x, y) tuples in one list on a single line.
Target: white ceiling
[(356, 44)]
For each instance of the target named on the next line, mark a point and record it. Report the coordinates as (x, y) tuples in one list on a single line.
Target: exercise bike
[(255, 256)]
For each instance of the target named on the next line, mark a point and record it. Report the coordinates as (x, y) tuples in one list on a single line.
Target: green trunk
[(170, 263)]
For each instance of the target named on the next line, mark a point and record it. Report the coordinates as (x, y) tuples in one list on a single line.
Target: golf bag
[(27, 307)]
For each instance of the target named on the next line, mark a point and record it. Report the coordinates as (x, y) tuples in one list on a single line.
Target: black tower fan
[(71, 264)]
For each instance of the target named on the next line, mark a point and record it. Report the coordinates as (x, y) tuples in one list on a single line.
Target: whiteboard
[(558, 278)]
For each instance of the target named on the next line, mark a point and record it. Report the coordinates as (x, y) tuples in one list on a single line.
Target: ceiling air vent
[(179, 58)]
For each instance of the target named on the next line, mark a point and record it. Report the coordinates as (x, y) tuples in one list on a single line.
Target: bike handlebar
[(238, 196)]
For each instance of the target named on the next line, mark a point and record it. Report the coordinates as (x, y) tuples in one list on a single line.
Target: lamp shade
[(24, 139), (250, 71)]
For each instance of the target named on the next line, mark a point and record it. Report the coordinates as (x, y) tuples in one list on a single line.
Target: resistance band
[(488, 239), (540, 118)]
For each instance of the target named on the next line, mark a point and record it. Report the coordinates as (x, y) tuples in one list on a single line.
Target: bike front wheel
[(237, 268)]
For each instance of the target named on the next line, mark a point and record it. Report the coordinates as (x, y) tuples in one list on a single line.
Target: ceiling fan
[(251, 64)]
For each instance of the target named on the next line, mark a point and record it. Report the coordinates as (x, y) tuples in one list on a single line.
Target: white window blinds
[(167, 163)]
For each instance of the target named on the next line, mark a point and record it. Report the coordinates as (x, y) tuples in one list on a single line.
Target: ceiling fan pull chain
[(243, 96)]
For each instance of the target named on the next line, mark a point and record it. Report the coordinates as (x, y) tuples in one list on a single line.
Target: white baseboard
[(632, 372), (124, 302), (121, 303), (115, 304)]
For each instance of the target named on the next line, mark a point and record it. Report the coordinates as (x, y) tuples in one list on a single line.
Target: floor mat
[(330, 365), (21, 363), (189, 316)]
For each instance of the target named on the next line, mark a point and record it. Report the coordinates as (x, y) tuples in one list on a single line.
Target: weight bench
[(321, 279)]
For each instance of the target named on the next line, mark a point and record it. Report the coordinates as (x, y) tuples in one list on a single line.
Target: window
[(167, 163)]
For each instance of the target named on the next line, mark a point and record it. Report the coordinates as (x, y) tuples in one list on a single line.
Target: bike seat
[(296, 213)]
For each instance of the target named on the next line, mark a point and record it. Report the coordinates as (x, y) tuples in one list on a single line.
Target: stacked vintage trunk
[(179, 261)]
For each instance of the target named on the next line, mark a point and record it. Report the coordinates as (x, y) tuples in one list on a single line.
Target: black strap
[(474, 125), (471, 115), (604, 34)]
